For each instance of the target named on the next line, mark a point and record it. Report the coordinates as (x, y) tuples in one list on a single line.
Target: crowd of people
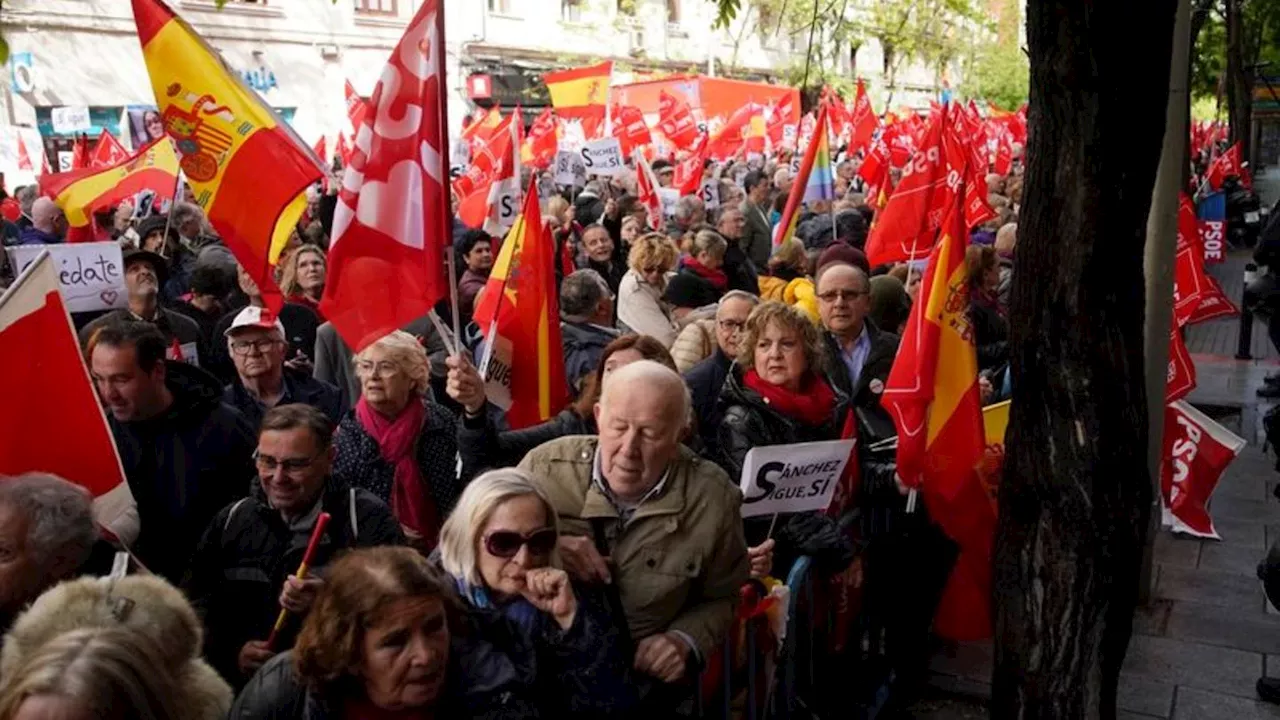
[(588, 566)]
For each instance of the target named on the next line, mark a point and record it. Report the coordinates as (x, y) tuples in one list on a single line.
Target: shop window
[(376, 7), (502, 7), (571, 10)]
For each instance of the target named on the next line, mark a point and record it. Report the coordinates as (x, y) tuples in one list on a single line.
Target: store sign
[(261, 79), (73, 119), (22, 72), (480, 87)]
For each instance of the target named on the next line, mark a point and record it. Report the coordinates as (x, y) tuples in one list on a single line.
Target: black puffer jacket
[(247, 552), (183, 466), (990, 332), (495, 673), (483, 446), (359, 461)]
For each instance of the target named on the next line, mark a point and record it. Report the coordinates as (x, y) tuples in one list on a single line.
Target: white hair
[(59, 515), (461, 534), (655, 378)]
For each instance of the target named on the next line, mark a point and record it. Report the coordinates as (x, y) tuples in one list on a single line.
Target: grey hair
[(864, 280), (461, 534), (184, 211), (581, 292), (738, 295), (687, 206), (709, 241), (405, 351), (59, 515)]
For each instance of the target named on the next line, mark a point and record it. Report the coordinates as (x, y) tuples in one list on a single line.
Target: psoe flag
[(81, 193), (247, 168), (49, 392)]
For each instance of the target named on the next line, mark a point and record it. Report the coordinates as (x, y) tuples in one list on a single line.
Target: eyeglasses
[(290, 466), (383, 369), (507, 543), (838, 295), (731, 326), (243, 347), (652, 270)]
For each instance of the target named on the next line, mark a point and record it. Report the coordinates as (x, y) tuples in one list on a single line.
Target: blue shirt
[(856, 356)]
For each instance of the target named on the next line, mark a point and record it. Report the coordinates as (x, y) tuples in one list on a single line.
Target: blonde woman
[(302, 280), (399, 444), (640, 306)]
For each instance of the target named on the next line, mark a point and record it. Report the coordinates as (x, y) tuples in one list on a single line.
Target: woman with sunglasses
[(499, 547), (640, 306)]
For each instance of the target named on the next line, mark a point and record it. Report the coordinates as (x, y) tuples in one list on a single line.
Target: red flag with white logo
[(864, 119), (357, 107), (24, 158), (391, 227), (906, 228), (647, 190), (675, 120), (630, 128), (108, 151), (689, 171), (1196, 452), (495, 202)]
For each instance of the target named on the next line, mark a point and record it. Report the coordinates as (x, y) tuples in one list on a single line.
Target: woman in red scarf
[(397, 443), (302, 280)]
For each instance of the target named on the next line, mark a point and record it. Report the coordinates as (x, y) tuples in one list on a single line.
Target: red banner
[(1196, 452)]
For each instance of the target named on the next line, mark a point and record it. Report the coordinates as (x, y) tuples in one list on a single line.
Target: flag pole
[(168, 217), (446, 197)]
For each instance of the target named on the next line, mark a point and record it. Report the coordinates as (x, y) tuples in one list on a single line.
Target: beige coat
[(681, 560), (641, 310), (694, 344)]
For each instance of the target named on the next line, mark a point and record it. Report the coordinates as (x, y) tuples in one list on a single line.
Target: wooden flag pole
[(446, 197)]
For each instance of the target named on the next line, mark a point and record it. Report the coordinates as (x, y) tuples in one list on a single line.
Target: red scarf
[(812, 404), (715, 277), (397, 439)]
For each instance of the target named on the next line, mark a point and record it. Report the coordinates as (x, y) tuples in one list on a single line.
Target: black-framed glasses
[(291, 466), (838, 295), (507, 543), (732, 325), (244, 347)]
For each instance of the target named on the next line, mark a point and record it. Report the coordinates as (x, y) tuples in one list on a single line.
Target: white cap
[(256, 317)]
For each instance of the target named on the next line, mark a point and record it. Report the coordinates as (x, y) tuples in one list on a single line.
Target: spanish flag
[(519, 312), (81, 193), (248, 169), (580, 92)]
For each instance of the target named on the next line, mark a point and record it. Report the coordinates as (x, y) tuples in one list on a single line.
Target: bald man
[(48, 224), (865, 352), (668, 521)]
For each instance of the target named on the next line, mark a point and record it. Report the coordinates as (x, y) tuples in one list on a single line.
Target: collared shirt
[(626, 510), (855, 356)]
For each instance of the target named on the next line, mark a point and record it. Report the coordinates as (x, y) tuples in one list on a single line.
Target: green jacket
[(681, 560)]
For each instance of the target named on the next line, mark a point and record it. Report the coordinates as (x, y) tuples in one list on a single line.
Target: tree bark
[(1076, 493), (1239, 80)]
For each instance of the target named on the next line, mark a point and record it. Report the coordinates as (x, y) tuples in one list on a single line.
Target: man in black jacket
[(707, 377), (185, 454), (861, 354), (586, 306), (242, 572), (257, 347)]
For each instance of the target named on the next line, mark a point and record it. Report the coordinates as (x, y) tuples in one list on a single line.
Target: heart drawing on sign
[(109, 296)]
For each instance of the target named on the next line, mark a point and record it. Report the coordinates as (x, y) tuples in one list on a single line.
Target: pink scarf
[(397, 439)]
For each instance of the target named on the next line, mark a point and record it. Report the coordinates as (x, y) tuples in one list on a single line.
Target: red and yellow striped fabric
[(81, 193), (580, 92)]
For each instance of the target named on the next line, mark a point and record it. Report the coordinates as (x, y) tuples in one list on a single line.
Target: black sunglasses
[(507, 543)]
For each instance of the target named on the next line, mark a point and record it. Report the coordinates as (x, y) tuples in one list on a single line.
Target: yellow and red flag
[(580, 92), (249, 171), (519, 313), (81, 193)]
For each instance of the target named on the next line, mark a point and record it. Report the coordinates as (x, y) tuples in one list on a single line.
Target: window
[(571, 10), (673, 11), (376, 7), (502, 7)]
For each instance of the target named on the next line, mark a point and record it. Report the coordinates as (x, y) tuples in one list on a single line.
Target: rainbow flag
[(247, 168), (815, 181), (81, 193)]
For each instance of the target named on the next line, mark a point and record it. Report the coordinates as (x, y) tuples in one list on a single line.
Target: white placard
[(603, 157), (65, 159), (70, 119), (792, 478), (495, 368), (90, 275), (710, 193), (188, 353), (570, 171), (668, 197)]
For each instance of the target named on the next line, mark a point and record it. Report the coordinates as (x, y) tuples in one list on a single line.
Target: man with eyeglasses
[(864, 353), (185, 454), (707, 377), (256, 343), (242, 572)]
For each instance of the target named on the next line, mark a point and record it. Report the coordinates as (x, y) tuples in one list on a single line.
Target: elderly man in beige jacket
[(668, 521)]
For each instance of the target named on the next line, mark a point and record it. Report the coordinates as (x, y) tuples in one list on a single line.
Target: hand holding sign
[(603, 157), (792, 478)]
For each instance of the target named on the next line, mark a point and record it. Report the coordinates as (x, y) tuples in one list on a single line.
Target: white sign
[(570, 170), (65, 158), (792, 478), (710, 193), (90, 275), (68, 120), (668, 197), (495, 368), (603, 157)]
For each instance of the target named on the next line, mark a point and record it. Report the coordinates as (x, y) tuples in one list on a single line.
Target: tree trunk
[(1075, 497), (1199, 16), (1239, 81)]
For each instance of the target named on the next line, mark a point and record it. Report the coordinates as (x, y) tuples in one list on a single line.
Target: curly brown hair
[(788, 317), (358, 588)]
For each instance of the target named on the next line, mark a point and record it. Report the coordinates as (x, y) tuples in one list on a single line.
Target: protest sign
[(710, 193), (495, 368), (570, 170), (603, 157), (669, 197), (90, 275), (70, 120), (792, 478)]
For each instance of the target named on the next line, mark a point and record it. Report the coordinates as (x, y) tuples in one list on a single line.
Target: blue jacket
[(35, 236), (705, 381), (299, 387)]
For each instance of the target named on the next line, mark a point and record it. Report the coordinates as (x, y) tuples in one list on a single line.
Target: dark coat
[(247, 552), (990, 332), (468, 286), (34, 236), (183, 466), (359, 461), (587, 209), (688, 289), (483, 446), (173, 325), (583, 344), (705, 381), (300, 325), (203, 320), (611, 271), (757, 235), (743, 273), (299, 387), (866, 398)]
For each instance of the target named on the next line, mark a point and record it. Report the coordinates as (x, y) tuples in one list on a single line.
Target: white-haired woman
[(499, 546), (399, 444)]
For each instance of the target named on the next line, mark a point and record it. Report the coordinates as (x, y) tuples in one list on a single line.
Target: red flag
[(647, 191), (81, 158), (391, 227), (1226, 165), (24, 158), (688, 173), (675, 120), (108, 151), (1181, 378), (782, 117), (733, 135), (1004, 153), (495, 202), (905, 229), (630, 128), (344, 149), (864, 119), (50, 389), (836, 111), (357, 107), (1197, 297), (1196, 452), (321, 149), (540, 145), (520, 316), (481, 132), (486, 159)]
